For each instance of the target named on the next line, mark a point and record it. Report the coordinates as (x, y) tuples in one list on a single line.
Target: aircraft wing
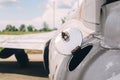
[(27, 41)]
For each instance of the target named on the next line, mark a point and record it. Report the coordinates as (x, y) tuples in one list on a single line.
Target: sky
[(34, 12)]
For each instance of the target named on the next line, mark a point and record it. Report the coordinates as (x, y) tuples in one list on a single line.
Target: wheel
[(46, 56), (6, 52), (22, 58)]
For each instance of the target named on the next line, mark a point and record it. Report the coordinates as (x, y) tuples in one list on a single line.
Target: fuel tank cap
[(67, 40)]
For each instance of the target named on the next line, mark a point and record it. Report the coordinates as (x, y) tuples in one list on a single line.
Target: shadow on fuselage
[(34, 69)]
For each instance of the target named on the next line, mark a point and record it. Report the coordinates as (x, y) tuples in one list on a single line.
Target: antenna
[(78, 4), (53, 13)]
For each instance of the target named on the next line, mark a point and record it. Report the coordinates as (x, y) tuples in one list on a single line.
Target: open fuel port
[(78, 56)]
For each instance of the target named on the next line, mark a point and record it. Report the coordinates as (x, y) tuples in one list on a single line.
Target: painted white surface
[(116, 77), (29, 41), (75, 39)]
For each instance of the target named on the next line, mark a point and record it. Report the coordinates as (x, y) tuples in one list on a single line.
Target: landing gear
[(21, 56), (46, 56)]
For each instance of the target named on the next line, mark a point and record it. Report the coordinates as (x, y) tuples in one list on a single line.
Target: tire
[(6, 52), (22, 58), (46, 56)]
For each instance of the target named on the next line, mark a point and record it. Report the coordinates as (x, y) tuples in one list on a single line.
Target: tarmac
[(10, 69)]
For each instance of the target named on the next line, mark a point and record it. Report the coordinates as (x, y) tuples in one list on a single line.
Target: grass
[(1, 48), (28, 51)]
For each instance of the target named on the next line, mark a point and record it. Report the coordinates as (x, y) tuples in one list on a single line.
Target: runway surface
[(10, 70)]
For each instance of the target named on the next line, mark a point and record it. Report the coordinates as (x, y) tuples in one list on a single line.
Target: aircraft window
[(78, 55)]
